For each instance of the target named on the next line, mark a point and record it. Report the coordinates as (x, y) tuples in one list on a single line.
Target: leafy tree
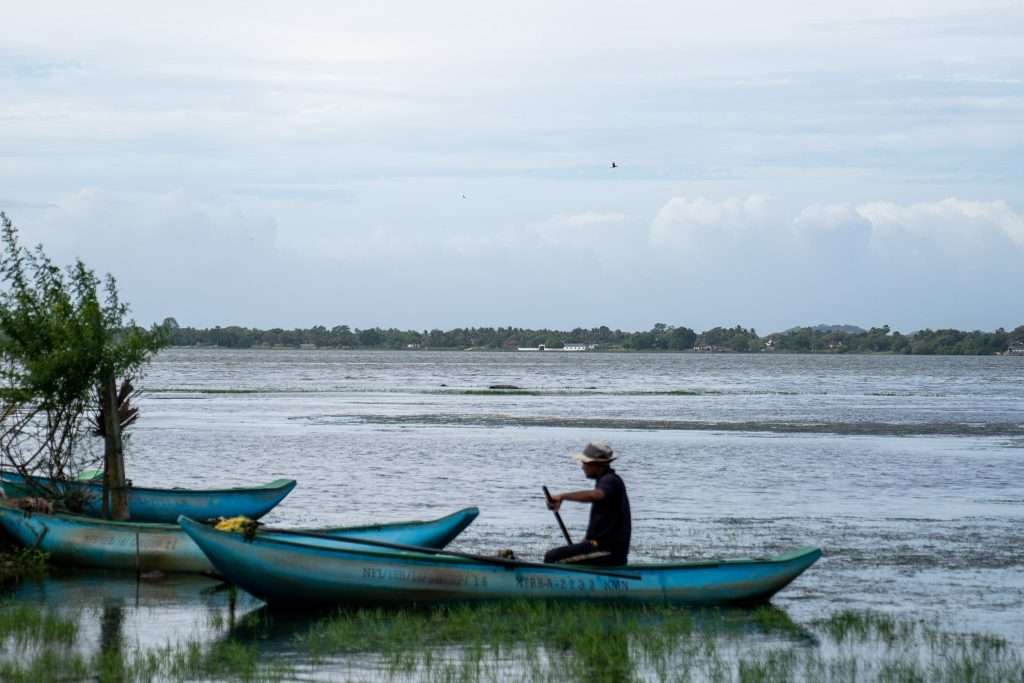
[(680, 338), (370, 337), (641, 341), (64, 343), (734, 339)]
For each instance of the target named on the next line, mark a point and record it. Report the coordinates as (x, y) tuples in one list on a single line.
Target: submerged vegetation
[(516, 641), (18, 563), (661, 337)]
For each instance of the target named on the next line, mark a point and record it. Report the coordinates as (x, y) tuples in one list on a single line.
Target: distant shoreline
[(442, 349), (820, 339)]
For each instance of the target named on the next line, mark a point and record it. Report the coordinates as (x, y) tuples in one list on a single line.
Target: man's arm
[(584, 496)]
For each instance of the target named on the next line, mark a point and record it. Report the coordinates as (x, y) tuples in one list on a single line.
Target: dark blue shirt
[(610, 522)]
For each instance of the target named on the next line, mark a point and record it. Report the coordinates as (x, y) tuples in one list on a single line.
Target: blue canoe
[(164, 505), (87, 542), (290, 572)]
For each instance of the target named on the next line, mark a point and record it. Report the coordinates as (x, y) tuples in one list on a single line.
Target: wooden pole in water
[(113, 452)]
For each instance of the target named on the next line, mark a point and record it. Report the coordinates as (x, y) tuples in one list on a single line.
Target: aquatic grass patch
[(498, 623), (860, 626), (227, 659), (48, 664), (463, 419), (551, 640), (668, 392), (40, 644), (517, 641), (585, 642), (513, 390), (22, 625), (19, 563), (774, 665), (574, 392), (218, 391), (497, 392), (36, 644), (908, 651)]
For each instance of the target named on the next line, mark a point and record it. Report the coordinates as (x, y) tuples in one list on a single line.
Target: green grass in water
[(567, 642), (19, 563), (24, 624), (525, 641)]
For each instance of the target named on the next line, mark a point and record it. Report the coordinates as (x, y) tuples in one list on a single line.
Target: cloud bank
[(696, 261), (446, 164), (950, 262)]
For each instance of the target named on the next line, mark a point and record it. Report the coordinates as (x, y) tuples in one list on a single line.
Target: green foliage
[(62, 333), (661, 337), (18, 563), (883, 340), (729, 339)]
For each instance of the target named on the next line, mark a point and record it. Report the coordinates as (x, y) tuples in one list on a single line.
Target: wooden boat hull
[(286, 573), (164, 505), (86, 542)]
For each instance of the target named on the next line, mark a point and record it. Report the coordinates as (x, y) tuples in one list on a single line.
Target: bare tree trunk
[(113, 453)]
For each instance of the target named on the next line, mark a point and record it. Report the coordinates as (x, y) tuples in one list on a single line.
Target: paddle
[(487, 559), (561, 524)]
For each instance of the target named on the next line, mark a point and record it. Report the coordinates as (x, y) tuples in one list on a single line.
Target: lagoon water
[(907, 471)]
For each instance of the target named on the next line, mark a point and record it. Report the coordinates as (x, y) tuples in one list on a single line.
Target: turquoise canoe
[(291, 572), (164, 505), (80, 541)]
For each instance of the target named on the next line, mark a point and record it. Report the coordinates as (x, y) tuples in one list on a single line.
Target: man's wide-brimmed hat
[(595, 451)]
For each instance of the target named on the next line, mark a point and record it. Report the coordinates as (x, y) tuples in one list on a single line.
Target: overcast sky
[(435, 164)]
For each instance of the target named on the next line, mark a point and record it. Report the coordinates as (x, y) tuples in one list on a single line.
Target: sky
[(433, 165)]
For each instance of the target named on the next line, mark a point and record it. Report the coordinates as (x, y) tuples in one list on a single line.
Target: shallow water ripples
[(907, 471)]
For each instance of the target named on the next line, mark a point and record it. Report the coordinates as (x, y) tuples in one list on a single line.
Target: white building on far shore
[(566, 347)]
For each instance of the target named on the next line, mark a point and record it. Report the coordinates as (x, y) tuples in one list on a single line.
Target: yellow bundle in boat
[(238, 525)]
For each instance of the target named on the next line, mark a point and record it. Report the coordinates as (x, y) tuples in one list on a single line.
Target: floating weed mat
[(229, 391), (567, 392), (494, 392), (565, 642)]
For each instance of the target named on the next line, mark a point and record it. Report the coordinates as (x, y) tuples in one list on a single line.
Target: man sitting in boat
[(607, 538)]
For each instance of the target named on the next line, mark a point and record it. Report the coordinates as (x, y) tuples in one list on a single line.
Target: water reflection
[(112, 632), (114, 608), (94, 588)]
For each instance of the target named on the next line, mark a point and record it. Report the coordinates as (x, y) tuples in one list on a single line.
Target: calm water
[(908, 471)]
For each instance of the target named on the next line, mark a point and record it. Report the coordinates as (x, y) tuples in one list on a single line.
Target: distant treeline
[(820, 339)]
